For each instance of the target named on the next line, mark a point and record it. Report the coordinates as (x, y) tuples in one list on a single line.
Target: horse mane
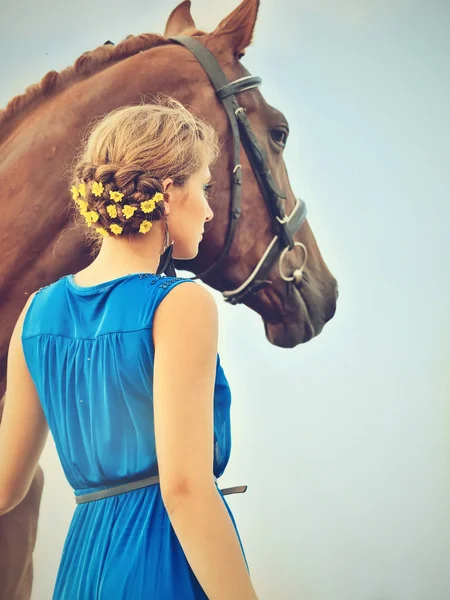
[(90, 62)]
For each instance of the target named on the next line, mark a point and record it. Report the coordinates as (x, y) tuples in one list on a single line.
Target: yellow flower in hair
[(128, 210), (145, 226), (102, 231), (82, 190), (158, 197), (74, 191), (148, 206), (97, 189), (112, 211), (91, 216), (82, 206), (116, 229), (116, 196)]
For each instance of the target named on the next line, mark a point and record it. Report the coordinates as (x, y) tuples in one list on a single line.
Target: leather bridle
[(284, 226)]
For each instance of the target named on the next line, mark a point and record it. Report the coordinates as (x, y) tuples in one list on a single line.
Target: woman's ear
[(167, 183)]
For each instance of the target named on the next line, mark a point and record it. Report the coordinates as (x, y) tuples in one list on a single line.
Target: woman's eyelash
[(208, 186)]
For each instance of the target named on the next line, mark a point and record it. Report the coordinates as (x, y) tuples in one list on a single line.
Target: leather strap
[(138, 484), (230, 105)]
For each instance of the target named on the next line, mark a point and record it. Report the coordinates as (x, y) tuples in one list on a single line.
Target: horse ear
[(180, 19), (236, 30)]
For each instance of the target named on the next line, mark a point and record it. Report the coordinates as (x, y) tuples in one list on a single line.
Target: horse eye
[(279, 136)]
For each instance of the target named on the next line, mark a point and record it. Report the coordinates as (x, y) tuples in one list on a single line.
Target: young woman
[(121, 364)]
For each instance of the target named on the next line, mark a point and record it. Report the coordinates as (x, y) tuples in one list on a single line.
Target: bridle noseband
[(283, 225)]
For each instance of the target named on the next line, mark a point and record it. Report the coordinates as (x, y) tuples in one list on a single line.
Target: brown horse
[(41, 131)]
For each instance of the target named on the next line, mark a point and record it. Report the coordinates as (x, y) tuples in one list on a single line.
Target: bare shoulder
[(189, 309), (190, 294)]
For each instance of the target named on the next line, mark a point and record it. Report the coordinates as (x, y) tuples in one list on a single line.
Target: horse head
[(295, 293)]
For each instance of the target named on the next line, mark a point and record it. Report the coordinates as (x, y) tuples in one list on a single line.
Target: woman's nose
[(209, 215)]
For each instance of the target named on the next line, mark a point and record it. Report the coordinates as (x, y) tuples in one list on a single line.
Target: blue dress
[(90, 354)]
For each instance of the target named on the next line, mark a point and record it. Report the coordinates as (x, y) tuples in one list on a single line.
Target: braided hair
[(118, 199)]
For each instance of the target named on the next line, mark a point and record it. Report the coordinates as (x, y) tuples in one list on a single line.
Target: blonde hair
[(127, 155)]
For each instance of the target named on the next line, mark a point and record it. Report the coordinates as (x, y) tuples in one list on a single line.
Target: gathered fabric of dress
[(90, 353)]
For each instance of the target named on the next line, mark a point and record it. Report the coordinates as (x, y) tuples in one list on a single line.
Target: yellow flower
[(129, 211), (145, 226), (97, 189), (112, 211), (148, 206), (117, 229), (74, 191), (102, 231), (91, 216), (116, 196), (82, 205), (158, 197), (82, 190)]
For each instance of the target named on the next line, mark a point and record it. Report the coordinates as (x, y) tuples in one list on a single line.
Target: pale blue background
[(344, 442)]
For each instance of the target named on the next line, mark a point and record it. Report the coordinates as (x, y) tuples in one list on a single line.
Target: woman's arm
[(185, 332), (23, 428)]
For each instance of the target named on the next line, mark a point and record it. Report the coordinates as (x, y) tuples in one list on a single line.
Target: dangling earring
[(166, 264)]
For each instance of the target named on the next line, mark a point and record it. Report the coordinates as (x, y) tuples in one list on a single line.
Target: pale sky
[(344, 442)]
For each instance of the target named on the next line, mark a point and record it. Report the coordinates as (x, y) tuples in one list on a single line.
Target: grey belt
[(140, 483)]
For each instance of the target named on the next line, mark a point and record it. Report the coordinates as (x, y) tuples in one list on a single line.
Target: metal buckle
[(298, 273)]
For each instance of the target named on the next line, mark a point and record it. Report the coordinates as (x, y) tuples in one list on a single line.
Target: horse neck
[(64, 88)]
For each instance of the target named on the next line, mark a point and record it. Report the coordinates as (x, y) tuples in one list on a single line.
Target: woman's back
[(90, 352)]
